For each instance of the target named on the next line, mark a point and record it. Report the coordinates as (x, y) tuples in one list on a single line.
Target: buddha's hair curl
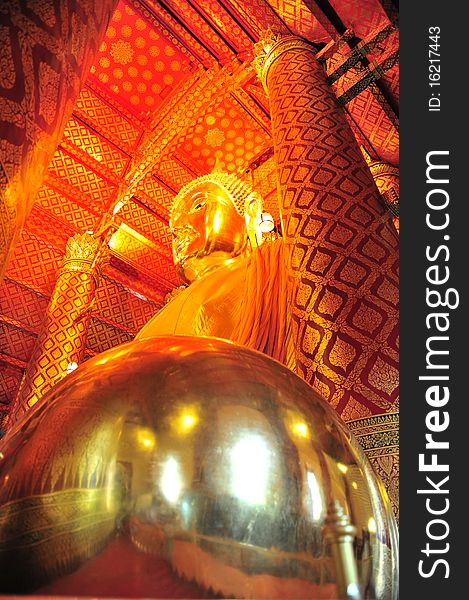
[(238, 190)]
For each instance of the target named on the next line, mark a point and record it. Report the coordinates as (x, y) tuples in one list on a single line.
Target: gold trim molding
[(379, 168), (377, 434)]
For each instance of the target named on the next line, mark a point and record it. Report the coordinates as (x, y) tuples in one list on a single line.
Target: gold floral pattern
[(214, 137), (122, 52)]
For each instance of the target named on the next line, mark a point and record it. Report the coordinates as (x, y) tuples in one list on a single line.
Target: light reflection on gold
[(296, 425), (301, 429), (120, 239), (171, 483), (71, 367), (342, 467), (371, 525), (102, 359), (317, 505), (250, 461), (354, 485), (117, 207), (117, 240), (110, 493), (217, 222), (146, 439), (187, 422), (186, 418)]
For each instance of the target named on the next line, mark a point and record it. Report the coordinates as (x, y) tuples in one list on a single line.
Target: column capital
[(272, 45), (386, 177), (83, 253)]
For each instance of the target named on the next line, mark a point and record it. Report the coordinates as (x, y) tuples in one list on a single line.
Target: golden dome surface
[(204, 454)]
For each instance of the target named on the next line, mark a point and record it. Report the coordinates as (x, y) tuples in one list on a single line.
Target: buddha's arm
[(209, 306)]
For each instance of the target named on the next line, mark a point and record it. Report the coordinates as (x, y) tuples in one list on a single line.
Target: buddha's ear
[(252, 216), (253, 205)]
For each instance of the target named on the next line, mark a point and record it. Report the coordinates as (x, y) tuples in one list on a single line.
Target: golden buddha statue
[(192, 457), (238, 284), (252, 292)]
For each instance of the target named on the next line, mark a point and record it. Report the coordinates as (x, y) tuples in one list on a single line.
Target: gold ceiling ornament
[(122, 52), (82, 246), (214, 137), (271, 45)]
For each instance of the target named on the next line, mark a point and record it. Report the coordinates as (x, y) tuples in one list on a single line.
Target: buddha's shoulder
[(211, 292)]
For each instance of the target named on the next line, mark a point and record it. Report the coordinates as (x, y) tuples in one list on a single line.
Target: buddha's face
[(206, 229)]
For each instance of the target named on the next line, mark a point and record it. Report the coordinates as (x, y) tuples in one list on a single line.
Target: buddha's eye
[(198, 205)]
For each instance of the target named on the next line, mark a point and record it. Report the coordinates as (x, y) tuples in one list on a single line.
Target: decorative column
[(62, 339), (47, 48), (343, 251)]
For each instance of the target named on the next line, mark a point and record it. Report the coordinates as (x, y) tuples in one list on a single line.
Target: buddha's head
[(208, 223)]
